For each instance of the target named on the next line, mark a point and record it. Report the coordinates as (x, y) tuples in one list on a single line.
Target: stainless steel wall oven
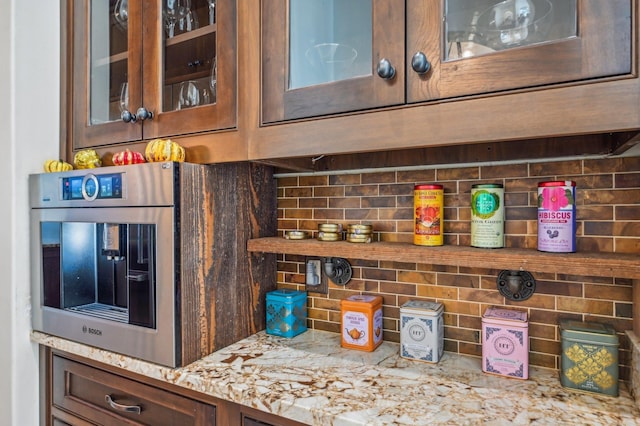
[(123, 260), (104, 243)]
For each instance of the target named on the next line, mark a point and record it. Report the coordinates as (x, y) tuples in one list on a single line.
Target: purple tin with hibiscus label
[(557, 216)]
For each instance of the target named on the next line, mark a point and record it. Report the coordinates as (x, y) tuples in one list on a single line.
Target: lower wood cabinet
[(101, 397), (81, 392)]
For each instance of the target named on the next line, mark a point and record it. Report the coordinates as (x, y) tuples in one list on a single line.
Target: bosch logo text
[(90, 330)]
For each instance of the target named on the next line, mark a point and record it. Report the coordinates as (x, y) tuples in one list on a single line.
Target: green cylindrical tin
[(589, 357), (487, 215)]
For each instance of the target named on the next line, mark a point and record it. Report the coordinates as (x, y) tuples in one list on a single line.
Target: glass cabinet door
[(189, 57), (329, 41), (149, 69), (189, 81), (101, 87), (109, 89), (327, 56), (484, 27), (492, 45)]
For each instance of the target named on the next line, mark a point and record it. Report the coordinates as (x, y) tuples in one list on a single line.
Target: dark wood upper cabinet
[(453, 48), (125, 59), (318, 78)]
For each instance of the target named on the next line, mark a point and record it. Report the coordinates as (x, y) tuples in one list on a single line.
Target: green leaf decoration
[(484, 213), (569, 194)]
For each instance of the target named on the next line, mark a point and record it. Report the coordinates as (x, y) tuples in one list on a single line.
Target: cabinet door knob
[(420, 64), (385, 69), (144, 114), (127, 117)]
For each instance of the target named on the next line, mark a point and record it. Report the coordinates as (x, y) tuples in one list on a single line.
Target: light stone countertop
[(311, 379)]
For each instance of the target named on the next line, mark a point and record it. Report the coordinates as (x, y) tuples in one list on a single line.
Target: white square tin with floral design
[(421, 330)]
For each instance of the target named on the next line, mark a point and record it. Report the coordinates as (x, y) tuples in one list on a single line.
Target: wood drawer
[(85, 392)]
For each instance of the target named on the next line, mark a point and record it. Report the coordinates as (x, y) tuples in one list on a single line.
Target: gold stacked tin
[(359, 233), (297, 235), (330, 232)]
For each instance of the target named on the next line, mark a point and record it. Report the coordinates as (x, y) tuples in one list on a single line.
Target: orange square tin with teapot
[(361, 321)]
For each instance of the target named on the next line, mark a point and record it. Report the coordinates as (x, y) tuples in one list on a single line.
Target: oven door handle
[(138, 277), (120, 407)]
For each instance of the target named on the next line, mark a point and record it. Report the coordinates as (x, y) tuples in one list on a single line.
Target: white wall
[(29, 133)]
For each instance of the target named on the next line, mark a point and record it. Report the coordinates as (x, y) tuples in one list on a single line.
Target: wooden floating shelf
[(616, 265)]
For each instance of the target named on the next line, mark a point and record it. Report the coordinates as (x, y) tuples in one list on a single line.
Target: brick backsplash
[(608, 220)]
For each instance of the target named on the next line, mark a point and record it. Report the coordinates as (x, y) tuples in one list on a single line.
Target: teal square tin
[(286, 313), (589, 357)]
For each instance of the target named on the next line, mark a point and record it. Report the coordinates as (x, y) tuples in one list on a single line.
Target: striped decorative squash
[(163, 150), (126, 157)]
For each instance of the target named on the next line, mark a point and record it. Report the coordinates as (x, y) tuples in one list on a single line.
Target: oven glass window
[(106, 270)]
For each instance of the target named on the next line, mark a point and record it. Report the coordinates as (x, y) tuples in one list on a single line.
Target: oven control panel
[(91, 187)]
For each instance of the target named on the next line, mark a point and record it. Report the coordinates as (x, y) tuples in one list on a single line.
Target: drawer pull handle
[(126, 408)]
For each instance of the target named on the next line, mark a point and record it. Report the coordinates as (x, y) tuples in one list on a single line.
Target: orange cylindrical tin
[(361, 322), (428, 214)]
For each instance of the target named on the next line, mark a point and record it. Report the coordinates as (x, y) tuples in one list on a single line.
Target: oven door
[(105, 277)]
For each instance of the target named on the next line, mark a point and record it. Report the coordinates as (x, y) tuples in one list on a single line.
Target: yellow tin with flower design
[(589, 357), (557, 216)]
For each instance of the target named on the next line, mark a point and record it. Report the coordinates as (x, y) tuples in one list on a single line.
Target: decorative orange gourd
[(87, 159), (126, 157), (163, 150)]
